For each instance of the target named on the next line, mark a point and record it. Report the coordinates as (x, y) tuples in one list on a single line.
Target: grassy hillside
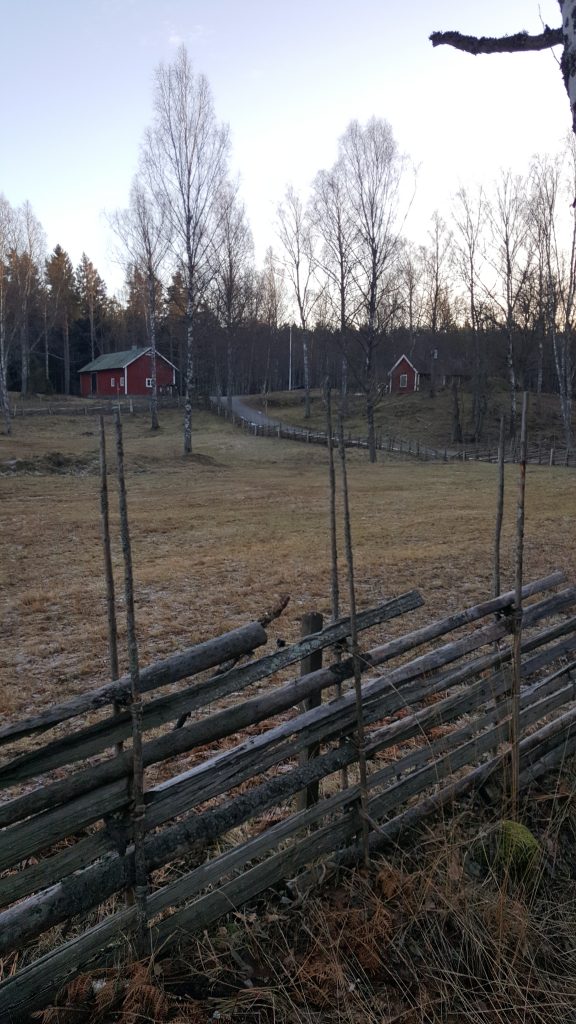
[(416, 416)]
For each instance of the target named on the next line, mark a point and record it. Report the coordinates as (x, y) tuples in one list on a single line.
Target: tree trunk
[(24, 358), (305, 353), (568, 61), (540, 366), (154, 423), (4, 399), (562, 363), (511, 381), (229, 388), (456, 424), (92, 332), (189, 367), (66, 353), (46, 352), (371, 429), (344, 386)]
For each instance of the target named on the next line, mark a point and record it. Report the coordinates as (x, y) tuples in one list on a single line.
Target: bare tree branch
[(516, 43)]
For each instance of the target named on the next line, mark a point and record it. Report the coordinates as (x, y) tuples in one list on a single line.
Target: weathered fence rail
[(435, 700), (92, 407), (547, 451)]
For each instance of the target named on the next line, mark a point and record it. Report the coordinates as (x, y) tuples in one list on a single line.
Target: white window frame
[(403, 380), (148, 382), (112, 382)]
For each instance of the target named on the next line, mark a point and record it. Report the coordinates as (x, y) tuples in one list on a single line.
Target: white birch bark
[(568, 62)]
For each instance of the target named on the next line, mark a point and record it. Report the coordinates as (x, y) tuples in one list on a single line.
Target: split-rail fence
[(545, 451), (248, 814)]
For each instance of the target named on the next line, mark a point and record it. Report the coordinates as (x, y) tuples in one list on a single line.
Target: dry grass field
[(218, 536)]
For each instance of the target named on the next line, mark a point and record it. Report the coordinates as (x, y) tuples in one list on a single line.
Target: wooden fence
[(546, 451), (92, 406), (435, 700)]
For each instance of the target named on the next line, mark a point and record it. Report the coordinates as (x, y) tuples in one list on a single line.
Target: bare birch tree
[(510, 256), (331, 215), (468, 216), (185, 157), (559, 274), (233, 261), (7, 235), (372, 169), (27, 259), (437, 257), (272, 309), (296, 238), (144, 232)]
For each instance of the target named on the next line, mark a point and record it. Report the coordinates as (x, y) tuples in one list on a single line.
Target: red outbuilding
[(404, 377), (126, 373)]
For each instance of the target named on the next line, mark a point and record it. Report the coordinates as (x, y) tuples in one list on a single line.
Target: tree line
[(488, 293)]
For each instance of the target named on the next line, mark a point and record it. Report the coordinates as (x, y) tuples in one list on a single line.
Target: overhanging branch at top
[(505, 44)]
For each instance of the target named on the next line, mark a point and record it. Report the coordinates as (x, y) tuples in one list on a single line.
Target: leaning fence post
[(518, 614), (360, 736), (138, 809), (312, 622), (499, 512), (108, 574)]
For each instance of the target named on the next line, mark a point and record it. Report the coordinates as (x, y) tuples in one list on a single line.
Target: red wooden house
[(126, 373), (403, 377)]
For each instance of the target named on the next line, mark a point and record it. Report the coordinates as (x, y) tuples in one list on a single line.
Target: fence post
[(312, 622)]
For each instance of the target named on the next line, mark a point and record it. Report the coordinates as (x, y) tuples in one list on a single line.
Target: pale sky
[(76, 83)]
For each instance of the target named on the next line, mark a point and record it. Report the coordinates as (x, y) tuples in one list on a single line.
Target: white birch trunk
[(568, 63), (4, 400), (152, 335)]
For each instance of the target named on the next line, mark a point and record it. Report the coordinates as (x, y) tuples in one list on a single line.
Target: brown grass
[(216, 537), (414, 939)]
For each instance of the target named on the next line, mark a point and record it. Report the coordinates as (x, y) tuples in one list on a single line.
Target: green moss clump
[(508, 851)]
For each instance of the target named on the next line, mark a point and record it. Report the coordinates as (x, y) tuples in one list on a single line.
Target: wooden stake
[(108, 573), (335, 587), (138, 808), (517, 642), (335, 590), (312, 622), (355, 654), (499, 512)]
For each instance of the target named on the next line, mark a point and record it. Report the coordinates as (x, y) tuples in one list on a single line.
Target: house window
[(403, 380), (148, 382), (121, 382), (113, 382)]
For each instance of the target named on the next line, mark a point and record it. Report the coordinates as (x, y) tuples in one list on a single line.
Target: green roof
[(114, 360)]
